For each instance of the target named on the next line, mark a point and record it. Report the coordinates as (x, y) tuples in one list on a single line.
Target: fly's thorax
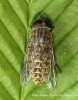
[(41, 36)]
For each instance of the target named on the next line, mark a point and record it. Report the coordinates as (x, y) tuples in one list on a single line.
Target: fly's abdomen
[(39, 54), (40, 68)]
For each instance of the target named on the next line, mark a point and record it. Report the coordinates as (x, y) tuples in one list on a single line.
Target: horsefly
[(39, 61)]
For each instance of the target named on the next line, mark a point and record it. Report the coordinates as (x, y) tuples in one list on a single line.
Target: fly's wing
[(25, 73), (51, 78)]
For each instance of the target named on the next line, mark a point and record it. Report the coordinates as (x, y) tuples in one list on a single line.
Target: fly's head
[(43, 22)]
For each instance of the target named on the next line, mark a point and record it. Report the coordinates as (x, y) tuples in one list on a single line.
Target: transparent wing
[(51, 78), (25, 73)]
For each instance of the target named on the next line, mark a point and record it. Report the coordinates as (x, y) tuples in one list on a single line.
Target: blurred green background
[(15, 18)]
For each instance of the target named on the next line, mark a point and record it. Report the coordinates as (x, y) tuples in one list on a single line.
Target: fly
[(39, 61)]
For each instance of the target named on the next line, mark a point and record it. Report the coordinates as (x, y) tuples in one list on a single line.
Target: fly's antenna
[(42, 17)]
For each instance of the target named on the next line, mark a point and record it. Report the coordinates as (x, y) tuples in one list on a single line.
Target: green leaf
[(15, 18)]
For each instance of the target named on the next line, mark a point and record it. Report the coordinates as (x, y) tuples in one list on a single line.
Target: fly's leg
[(58, 68)]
